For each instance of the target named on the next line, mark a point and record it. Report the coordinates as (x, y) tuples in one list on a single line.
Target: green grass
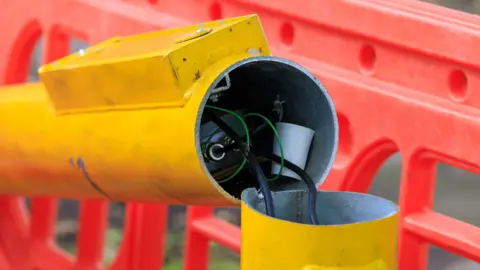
[(220, 258), (216, 265)]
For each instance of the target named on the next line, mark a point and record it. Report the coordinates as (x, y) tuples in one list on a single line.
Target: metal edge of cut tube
[(357, 232), (245, 61), (334, 208)]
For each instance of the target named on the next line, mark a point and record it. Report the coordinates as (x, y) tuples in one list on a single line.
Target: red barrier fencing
[(402, 75)]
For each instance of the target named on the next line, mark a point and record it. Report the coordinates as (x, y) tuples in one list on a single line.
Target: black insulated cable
[(230, 147), (312, 190), (257, 172), (253, 162)]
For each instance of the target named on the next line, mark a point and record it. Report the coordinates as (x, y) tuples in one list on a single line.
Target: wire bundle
[(243, 144)]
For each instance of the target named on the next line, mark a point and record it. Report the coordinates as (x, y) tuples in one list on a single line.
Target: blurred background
[(455, 195)]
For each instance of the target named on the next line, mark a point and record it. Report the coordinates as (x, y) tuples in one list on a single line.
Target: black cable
[(253, 162), (253, 132), (312, 190), (257, 172), (232, 146), (312, 208)]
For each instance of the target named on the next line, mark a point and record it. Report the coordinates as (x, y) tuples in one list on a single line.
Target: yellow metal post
[(118, 120), (357, 232)]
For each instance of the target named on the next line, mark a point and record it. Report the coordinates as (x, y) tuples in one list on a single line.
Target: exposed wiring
[(252, 132), (312, 190), (247, 139), (226, 149), (263, 182), (254, 165), (279, 141)]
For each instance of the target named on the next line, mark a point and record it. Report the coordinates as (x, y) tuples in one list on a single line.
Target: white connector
[(296, 141)]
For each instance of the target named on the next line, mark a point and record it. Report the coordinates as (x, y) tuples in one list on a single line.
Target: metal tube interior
[(333, 207), (255, 84)]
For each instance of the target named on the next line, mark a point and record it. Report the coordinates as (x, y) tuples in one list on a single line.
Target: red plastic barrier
[(402, 75)]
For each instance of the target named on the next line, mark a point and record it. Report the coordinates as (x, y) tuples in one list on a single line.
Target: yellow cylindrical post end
[(356, 232)]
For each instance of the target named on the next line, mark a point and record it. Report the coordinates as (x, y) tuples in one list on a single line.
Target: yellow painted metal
[(375, 265), (153, 70), (118, 119), (271, 243)]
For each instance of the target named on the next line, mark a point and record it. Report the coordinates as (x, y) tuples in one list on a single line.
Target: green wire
[(242, 120), (247, 134), (282, 154)]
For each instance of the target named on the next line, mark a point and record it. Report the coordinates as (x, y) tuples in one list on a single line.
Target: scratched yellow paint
[(121, 116)]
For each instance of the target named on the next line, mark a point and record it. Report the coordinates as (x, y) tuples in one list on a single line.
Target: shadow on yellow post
[(356, 232)]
